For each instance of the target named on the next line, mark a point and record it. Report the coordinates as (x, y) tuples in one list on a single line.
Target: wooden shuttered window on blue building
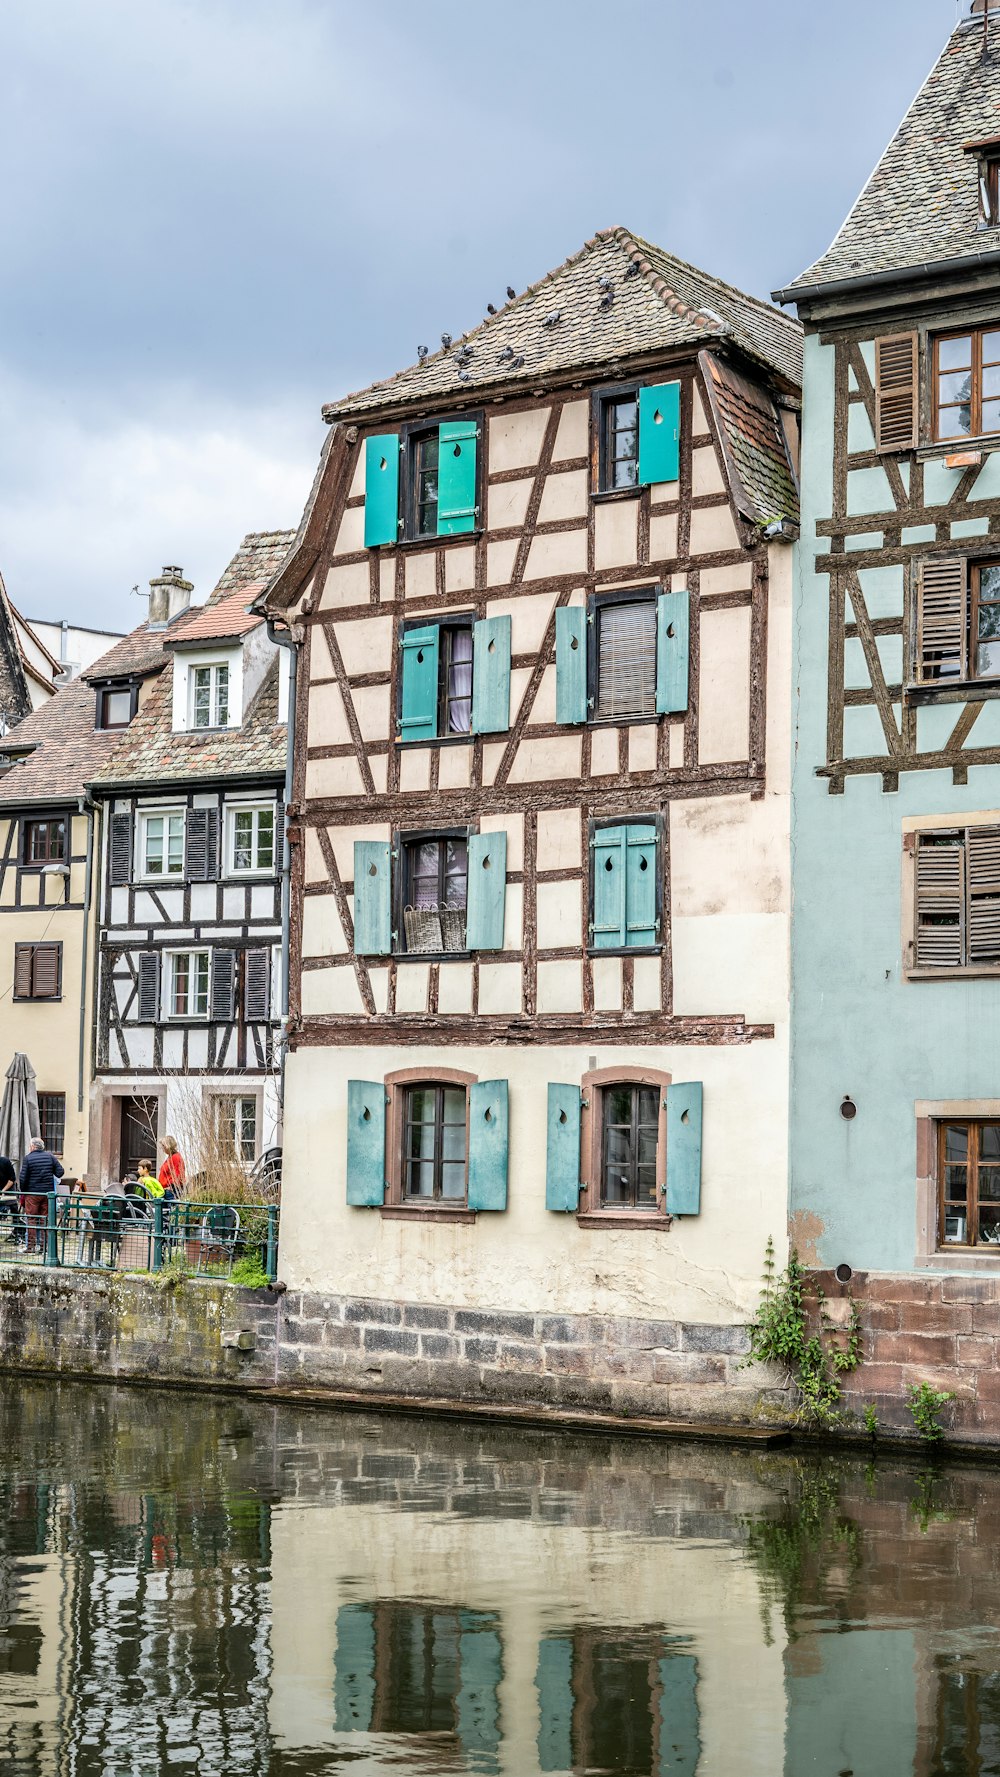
[(576, 703), (625, 870), (386, 455), (423, 711), (659, 433)]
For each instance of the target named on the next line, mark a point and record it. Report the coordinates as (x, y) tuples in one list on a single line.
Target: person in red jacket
[(173, 1172)]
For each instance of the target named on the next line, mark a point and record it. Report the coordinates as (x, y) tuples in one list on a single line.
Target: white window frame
[(166, 815), (214, 668), (223, 1102), (172, 958), (256, 809)]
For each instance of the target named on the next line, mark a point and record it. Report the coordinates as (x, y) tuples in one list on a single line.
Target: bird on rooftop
[(508, 352), (511, 292), (553, 319), (491, 308), (632, 269), (606, 300), (518, 362), (605, 284), (446, 340), (421, 353)]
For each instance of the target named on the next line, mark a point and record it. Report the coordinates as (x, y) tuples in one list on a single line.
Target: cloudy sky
[(217, 214)]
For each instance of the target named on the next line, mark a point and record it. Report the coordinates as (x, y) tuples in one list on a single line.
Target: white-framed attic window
[(208, 690), (208, 695)]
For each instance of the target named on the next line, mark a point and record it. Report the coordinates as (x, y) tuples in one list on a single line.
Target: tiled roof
[(566, 322), (921, 204), (222, 619), (68, 749), (135, 655), (259, 555), (151, 752), (754, 442)]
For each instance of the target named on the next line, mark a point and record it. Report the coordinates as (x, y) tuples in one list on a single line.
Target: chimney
[(169, 595)]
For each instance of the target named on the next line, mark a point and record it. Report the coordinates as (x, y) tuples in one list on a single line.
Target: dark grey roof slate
[(658, 302), (921, 204), (764, 484)]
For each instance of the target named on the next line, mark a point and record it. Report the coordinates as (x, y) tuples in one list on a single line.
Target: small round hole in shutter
[(366, 1115), (562, 1116), (373, 869), (457, 451), (657, 418), (609, 865), (383, 464), (420, 656), (670, 630), (643, 863), (488, 1115), (486, 862), (574, 644), (685, 1116), (492, 648)]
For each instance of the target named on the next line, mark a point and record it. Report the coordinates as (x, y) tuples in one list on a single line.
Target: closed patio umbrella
[(18, 1110)]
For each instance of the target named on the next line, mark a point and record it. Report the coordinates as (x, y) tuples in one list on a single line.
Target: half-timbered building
[(895, 1173), (189, 883), (537, 1075)]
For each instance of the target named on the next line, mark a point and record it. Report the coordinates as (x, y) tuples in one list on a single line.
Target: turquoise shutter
[(680, 1739), (684, 1149), (420, 648), (477, 1710), (673, 621), (354, 1669), (571, 664), (562, 1148), (372, 905), (366, 1143), (640, 885), (554, 1684), (659, 433), (488, 1145), (607, 859), (487, 891), (457, 477), (381, 489), (491, 675)]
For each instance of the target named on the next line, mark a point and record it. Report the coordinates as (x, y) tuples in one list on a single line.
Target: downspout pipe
[(90, 809), (282, 639)]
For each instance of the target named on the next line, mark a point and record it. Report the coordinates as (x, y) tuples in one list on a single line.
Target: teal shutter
[(487, 891), (491, 675), (684, 1149), (457, 477), (640, 885), (477, 1709), (420, 648), (381, 489), (372, 904), (607, 858), (680, 1739), (354, 1670), (562, 1148), (554, 1684), (659, 433), (571, 664), (488, 1145), (366, 1143), (673, 620)]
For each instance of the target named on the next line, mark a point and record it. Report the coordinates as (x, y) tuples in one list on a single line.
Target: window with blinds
[(626, 659), (958, 899)]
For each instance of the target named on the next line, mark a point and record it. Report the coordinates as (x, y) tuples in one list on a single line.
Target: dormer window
[(210, 696), (989, 190), (116, 705)]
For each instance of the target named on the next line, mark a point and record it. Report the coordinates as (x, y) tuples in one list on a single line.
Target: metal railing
[(84, 1232)]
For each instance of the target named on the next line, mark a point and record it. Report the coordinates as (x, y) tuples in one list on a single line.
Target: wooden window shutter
[(641, 872), (354, 1669), (47, 972), (488, 1145), (121, 849), (982, 863), (372, 903), (366, 1143), (257, 986), (571, 664), (562, 1148), (149, 986), (421, 648), (381, 489), (222, 994), (491, 675), (22, 970), (673, 623), (487, 891), (626, 659), (659, 433), (896, 386), (607, 856), (201, 844), (940, 901), (457, 510), (942, 624), (684, 1114)]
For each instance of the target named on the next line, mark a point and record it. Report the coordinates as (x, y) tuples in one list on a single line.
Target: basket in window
[(453, 928), (423, 928)]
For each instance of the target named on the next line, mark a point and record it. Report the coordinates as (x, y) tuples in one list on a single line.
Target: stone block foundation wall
[(943, 1330), (108, 1325)]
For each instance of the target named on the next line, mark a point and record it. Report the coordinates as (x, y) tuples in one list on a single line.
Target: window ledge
[(624, 1218), (410, 543), (625, 950), (953, 447), (604, 494), (622, 721), (971, 972), (432, 956), (953, 691), (961, 1259), (409, 1212), (443, 740)]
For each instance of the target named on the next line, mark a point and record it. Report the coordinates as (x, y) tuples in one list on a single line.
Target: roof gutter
[(876, 280)]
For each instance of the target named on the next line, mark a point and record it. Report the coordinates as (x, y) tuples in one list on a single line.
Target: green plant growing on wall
[(925, 1404), (869, 1420), (779, 1333), (249, 1272)]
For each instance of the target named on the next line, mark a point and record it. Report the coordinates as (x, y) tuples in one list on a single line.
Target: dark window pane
[(617, 1104), (648, 1104), (989, 1227), (646, 1186), (955, 1181), (989, 1184), (989, 1142), (956, 1142)]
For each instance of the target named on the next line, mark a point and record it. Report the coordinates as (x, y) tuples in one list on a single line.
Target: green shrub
[(249, 1272), (925, 1404), (779, 1334)]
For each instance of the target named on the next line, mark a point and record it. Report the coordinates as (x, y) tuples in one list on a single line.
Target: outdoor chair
[(102, 1223), (217, 1237)]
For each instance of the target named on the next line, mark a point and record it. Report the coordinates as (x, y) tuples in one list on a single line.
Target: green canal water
[(196, 1584)]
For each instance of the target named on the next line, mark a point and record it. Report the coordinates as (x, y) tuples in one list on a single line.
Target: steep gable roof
[(921, 205), (566, 322)]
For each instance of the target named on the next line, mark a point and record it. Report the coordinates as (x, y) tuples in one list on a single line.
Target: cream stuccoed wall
[(322, 1559)]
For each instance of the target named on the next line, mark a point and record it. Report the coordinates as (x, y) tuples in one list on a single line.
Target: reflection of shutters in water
[(617, 1700), (404, 1669)]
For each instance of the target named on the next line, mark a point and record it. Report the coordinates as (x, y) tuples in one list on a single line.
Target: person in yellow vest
[(148, 1182)]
